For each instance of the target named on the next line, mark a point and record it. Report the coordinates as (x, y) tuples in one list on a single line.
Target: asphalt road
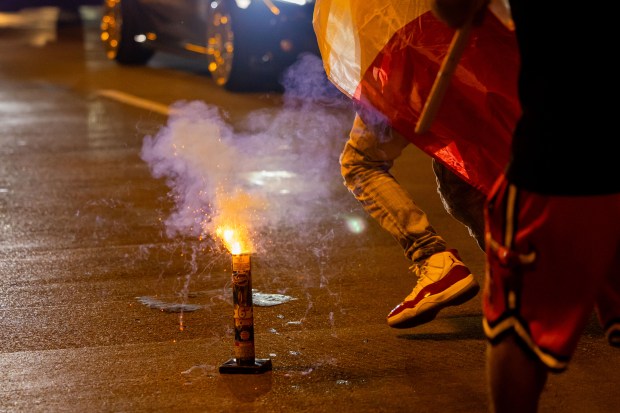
[(113, 299)]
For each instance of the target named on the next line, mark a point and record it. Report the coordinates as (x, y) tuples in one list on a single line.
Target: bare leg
[(516, 379)]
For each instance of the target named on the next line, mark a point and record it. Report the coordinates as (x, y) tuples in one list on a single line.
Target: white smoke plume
[(281, 168)]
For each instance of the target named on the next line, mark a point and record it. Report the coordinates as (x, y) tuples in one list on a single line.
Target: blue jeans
[(365, 162), (365, 165)]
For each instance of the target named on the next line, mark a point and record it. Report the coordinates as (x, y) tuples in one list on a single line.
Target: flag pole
[(431, 106)]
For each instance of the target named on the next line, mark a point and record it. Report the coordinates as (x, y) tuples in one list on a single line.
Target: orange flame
[(237, 210), (236, 240)]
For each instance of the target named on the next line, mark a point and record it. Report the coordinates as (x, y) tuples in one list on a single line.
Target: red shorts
[(551, 262)]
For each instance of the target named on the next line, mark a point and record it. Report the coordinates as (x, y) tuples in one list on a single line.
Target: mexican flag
[(385, 55)]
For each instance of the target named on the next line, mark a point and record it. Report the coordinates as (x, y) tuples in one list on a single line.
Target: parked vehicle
[(17, 5), (68, 10), (247, 43)]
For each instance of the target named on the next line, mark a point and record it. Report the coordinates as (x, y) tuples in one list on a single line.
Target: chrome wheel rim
[(111, 23), (220, 44)]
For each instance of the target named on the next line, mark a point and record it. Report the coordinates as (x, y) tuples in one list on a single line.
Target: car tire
[(231, 63), (118, 31)]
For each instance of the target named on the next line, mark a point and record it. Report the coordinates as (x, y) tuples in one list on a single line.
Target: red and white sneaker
[(443, 280)]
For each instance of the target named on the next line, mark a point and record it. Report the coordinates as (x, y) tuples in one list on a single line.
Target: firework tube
[(243, 310), (244, 360)]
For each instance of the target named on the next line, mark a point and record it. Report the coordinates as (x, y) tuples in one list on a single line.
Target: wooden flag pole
[(431, 106)]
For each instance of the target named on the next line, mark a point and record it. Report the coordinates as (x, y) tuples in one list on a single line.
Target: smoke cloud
[(280, 169)]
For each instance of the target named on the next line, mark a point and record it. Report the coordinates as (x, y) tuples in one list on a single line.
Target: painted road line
[(134, 101)]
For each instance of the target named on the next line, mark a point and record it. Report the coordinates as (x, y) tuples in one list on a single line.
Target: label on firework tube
[(243, 309)]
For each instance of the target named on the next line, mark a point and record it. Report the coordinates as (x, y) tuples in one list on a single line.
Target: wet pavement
[(116, 297)]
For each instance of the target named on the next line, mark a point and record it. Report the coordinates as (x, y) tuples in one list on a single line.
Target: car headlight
[(244, 4), (297, 2)]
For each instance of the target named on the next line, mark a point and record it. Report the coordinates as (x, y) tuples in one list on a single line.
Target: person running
[(442, 278), (553, 215)]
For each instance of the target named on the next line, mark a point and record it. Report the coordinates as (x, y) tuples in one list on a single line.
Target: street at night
[(115, 292)]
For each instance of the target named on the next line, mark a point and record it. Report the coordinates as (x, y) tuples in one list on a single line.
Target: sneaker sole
[(428, 308)]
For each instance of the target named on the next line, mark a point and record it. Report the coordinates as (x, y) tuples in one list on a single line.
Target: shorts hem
[(497, 331)]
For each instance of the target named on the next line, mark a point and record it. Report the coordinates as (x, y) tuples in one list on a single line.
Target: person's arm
[(458, 13)]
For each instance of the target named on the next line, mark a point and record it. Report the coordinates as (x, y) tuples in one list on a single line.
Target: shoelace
[(419, 270)]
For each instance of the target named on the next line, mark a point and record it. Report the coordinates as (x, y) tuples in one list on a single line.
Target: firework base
[(259, 366)]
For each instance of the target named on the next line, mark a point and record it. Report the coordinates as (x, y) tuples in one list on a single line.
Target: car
[(71, 5), (247, 44), (68, 10)]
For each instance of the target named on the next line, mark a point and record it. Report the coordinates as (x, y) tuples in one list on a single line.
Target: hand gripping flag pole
[(501, 9)]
